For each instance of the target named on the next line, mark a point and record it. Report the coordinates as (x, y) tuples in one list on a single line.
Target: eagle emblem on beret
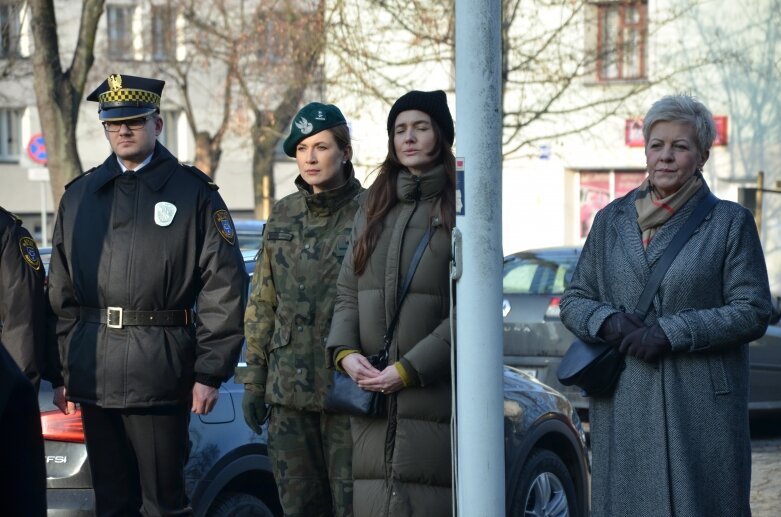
[(304, 126), (115, 82)]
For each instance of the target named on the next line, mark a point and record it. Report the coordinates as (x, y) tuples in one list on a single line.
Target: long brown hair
[(343, 142), (381, 197)]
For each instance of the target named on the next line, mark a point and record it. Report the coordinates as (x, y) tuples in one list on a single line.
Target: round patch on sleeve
[(222, 220), (30, 252)]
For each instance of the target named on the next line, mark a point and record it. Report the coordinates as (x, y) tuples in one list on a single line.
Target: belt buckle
[(114, 317)]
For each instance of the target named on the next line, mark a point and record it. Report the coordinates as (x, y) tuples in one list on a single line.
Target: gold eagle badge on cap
[(115, 82)]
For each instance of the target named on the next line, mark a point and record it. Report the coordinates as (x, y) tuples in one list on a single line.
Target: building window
[(170, 134), (163, 33), (10, 26), (10, 134), (622, 31), (120, 31), (598, 188)]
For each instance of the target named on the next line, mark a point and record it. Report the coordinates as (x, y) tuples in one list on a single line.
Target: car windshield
[(538, 272)]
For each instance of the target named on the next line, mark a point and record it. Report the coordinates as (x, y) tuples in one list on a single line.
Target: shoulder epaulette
[(201, 175), (13, 216), (80, 176)]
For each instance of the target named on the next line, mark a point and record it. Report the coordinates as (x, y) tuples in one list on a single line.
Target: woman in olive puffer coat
[(402, 461)]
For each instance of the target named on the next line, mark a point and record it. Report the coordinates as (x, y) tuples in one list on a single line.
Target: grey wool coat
[(673, 440), (402, 461)]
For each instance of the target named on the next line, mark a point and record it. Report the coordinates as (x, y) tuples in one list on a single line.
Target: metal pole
[(479, 379), (758, 209), (44, 229)]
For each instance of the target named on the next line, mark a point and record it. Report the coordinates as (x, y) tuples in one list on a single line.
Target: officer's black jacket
[(23, 490), (108, 251), (21, 297)]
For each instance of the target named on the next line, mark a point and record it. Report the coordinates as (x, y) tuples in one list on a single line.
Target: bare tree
[(271, 51), (550, 50), (59, 92)]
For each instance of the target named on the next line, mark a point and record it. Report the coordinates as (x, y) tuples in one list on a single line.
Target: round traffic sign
[(36, 149)]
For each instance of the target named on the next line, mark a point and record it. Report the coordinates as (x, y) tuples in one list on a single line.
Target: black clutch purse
[(595, 368), (346, 397)]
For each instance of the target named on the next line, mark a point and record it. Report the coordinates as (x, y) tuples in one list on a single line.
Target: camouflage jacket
[(288, 316)]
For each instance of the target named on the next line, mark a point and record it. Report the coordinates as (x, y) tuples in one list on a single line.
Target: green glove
[(254, 406)]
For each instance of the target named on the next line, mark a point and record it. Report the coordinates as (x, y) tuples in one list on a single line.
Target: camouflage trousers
[(311, 457)]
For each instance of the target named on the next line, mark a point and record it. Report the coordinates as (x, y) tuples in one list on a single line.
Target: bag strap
[(675, 246), (388, 338)]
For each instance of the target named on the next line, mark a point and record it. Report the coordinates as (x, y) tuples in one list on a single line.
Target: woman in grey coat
[(673, 439)]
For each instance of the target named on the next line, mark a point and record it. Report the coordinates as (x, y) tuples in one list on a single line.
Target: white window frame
[(10, 29), (621, 49), (163, 40), (11, 134), (120, 54), (169, 137)]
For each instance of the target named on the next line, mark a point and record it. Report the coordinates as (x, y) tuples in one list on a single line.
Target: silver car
[(535, 340)]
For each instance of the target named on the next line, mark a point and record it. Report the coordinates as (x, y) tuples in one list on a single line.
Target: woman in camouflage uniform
[(289, 315)]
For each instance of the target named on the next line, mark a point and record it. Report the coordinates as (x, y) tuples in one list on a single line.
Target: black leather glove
[(619, 325), (254, 406), (647, 344)]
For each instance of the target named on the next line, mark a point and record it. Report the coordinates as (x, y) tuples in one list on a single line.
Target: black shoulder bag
[(596, 367), (345, 396)]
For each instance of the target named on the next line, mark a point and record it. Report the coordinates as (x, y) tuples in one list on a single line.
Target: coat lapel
[(629, 236)]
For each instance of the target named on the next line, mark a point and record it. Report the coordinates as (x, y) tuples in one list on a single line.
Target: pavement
[(765, 476), (765, 466)]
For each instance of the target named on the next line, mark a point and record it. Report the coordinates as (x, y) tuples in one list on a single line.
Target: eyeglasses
[(112, 126)]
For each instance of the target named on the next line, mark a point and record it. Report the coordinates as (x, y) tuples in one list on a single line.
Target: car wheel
[(236, 504), (545, 488)]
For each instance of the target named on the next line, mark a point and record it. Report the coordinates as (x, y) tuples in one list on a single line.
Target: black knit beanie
[(434, 104)]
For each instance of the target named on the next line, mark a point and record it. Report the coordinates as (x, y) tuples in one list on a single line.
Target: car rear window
[(530, 273)]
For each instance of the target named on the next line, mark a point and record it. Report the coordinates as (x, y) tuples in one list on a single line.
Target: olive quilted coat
[(402, 462)]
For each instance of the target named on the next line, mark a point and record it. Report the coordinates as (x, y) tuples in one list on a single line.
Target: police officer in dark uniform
[(22, 314), (139, 242), (22, 330)]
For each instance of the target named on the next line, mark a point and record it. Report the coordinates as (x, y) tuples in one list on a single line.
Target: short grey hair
[(683, 108)]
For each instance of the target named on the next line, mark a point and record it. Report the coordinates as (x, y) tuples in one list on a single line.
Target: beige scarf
[(653, 211)]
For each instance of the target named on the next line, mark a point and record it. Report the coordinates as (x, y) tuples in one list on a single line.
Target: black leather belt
[(117, 317)]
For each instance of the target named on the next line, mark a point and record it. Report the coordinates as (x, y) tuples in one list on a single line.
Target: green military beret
[(310, 120)]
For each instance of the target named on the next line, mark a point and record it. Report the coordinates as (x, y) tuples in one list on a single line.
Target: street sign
[(460, 187), (36, 149), (38, 174)]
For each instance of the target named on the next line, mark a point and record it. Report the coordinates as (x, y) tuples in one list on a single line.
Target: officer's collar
[(155, 173), (140, 165)]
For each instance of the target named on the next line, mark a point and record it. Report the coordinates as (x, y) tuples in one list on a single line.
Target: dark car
[(249, 232), (546, 462), (229, 473), (535, 339)]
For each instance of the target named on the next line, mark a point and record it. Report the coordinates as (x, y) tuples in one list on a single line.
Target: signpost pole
[(44, 229), (36, 150)]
